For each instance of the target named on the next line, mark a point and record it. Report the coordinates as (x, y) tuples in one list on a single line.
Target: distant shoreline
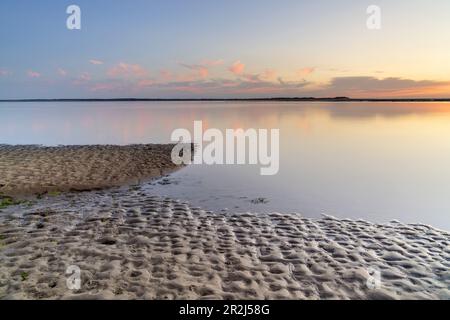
[(307, 99)]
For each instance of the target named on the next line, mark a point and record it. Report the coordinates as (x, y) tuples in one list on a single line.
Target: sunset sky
[(224, 49)]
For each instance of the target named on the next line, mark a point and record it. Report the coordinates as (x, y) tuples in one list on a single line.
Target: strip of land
[(33, 169), (307, 99)]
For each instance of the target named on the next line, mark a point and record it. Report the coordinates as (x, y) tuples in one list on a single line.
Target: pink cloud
[(96, 62), (4, 72), (33, 74), (62, 72), (269, 74), (127, 70), (306, 71), (201, 70), (85, 76), (166, 75), (237, 68), (251, 77), (82, 79), (186, 77)]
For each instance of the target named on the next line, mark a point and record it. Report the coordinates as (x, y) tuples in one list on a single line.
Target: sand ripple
[(129, 244), (36, 169)]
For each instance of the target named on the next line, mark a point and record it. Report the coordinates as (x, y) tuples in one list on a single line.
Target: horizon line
[(330, 99)]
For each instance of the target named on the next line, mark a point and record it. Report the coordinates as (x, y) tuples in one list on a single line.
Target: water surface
[(376, 161)]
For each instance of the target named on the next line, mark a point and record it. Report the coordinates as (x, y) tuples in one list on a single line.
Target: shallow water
[(375, 161)]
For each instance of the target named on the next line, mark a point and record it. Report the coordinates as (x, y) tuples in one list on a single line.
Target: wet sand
[(34, 169), (130, 244)]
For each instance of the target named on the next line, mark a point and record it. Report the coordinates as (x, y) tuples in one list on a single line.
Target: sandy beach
[(36, 169), (130, 244)]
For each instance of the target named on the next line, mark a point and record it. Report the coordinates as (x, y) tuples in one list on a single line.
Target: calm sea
[(375, 161)]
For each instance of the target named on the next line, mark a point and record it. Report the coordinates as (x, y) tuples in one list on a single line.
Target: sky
[(224, 49)]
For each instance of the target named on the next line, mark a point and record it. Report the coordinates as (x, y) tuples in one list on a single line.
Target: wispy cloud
[(257, 85), (62, 72), (146, 83), (251, 77), (198, 87), (82, 79), (237, 68), (85, 76), (95, 61), (33, 74), (201, 70), (222, 86), (4, 72), (129, 79), (213, 63), (166, 75), (306, 71), (269, 74), (127, 70)]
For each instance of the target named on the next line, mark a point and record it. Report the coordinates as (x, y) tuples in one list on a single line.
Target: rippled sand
[(129, 244), (37, 169)]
